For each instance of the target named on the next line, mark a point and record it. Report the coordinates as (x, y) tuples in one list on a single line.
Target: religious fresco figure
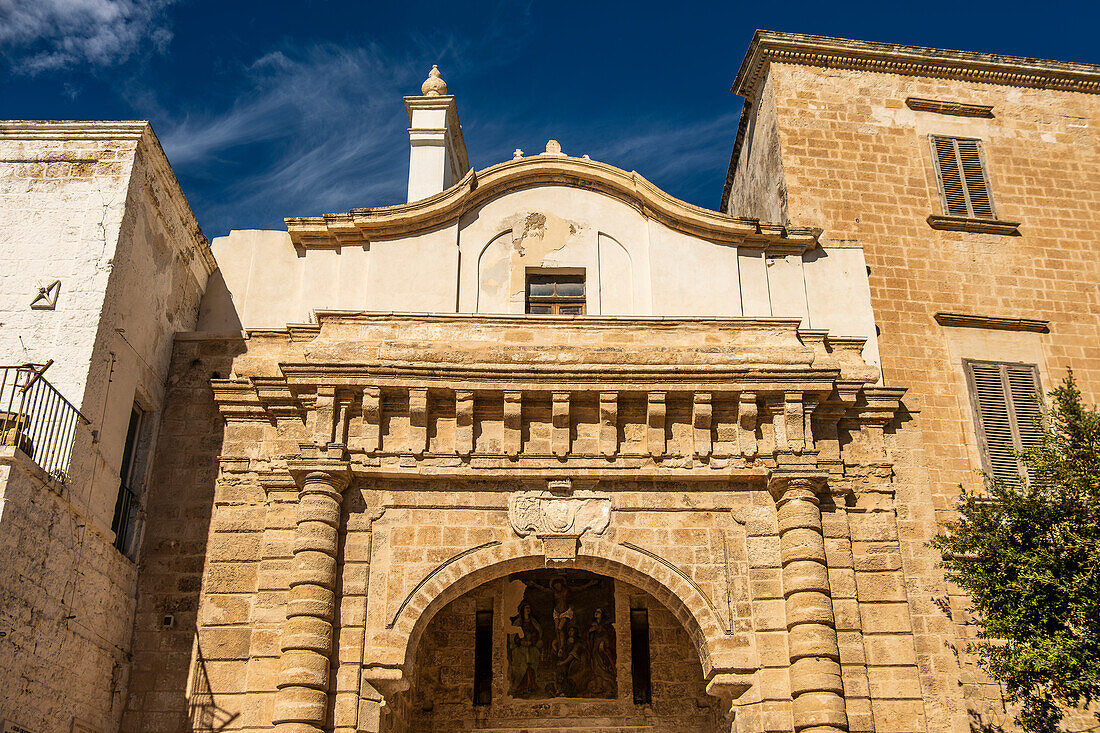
[(524, 651), (562, 642), (575, 666), (564, 613), (601, 646)]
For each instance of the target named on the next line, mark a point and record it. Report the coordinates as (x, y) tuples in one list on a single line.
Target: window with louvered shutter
[(1006, 408), (960, 170)]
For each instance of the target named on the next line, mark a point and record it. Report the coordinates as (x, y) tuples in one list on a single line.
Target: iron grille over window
[(555, 294), (1007, 409), (961, 172)]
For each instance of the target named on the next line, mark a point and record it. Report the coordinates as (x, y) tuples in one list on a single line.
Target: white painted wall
[(96, 206), (62, 201), (633, 266)]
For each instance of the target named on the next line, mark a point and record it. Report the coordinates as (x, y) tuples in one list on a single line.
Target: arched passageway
[(555, 650)]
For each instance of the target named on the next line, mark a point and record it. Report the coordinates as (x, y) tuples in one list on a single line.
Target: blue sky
[(275, 109)]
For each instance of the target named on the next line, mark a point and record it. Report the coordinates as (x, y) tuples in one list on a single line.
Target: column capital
[(333, 472), (809, 481)]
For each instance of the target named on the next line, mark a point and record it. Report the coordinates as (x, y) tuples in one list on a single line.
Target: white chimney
[(437, 155)]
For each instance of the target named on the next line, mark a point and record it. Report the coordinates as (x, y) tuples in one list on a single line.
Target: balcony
[(37, 419)]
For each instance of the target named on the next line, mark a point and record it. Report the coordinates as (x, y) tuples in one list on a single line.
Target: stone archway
[(447, 692), (726, 662)]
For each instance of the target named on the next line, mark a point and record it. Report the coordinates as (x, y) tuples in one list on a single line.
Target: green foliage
[(1028, 553)]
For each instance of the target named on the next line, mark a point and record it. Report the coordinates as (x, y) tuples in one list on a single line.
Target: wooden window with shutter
[(1006, 401), (961, 173), (555, 293)]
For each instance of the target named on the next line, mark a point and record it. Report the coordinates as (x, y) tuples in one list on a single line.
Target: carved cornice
[(477, 187), (842, 53), (877, 405), (73, 129), (403, 394), (999, 323)]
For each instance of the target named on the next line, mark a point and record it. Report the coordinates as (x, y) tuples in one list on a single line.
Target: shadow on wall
[(174, 549), (205, 715), (217, 311)]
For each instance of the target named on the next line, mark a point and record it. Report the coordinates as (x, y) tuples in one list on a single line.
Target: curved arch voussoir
[(685, 600)]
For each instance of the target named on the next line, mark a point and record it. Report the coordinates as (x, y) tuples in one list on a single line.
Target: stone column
[(816, 685), (301, 704)]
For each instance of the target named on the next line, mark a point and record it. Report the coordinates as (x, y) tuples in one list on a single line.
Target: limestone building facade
[(545, 448)]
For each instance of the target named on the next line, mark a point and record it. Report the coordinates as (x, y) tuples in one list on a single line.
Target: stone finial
[(553, 147), (434, 86), (517, 154)]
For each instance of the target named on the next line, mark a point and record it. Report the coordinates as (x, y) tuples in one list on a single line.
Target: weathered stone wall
[(168, 689), (1042, 154), (760, 188), (96, 206), (62, 201), (66, 598)]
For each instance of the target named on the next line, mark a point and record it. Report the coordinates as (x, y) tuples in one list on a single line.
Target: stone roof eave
[(477, 187)]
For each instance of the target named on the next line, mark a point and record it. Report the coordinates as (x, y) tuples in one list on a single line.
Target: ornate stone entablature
[(410, 395)]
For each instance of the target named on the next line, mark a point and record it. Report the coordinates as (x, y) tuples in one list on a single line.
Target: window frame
[(641, 656), (555, 302), (944, 207), (128, 499), (1010, 407), (483, 658)]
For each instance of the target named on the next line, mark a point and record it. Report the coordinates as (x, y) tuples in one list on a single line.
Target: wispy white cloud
[(321, 128), (332, 127), (44, 35)]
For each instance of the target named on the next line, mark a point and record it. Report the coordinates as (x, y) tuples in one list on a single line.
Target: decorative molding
[(477, 187), (998, 323), (977, 226), (72, 130), (46, 300), (842, 53), (957, 109)]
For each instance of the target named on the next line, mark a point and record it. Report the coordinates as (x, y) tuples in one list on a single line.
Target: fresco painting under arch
[(560, 630)]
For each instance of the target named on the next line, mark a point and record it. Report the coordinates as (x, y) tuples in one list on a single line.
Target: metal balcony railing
[(37, 419)]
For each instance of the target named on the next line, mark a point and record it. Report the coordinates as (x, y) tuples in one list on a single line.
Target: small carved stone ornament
[(434, 86), (46, 300), (544, 514)]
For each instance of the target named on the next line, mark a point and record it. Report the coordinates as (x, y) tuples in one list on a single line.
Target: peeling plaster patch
[(534, 225), (538, 240)]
